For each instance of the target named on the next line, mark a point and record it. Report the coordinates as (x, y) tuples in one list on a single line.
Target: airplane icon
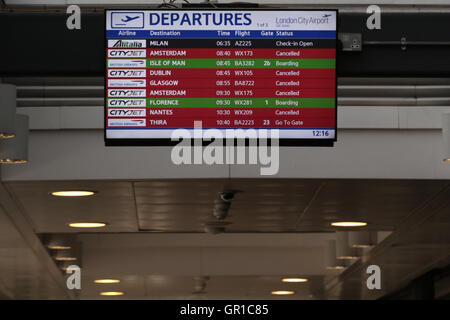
[(326, 15), (128, 18)]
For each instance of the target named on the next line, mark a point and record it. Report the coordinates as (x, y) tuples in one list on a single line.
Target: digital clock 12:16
[(321, 133)]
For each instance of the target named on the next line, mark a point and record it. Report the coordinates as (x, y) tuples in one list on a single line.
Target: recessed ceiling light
[(73, 193), (57, 247), (107, 281), (111, 293), (349, 224), (6, 135), (13, 161), (347, 257), (296, 280), (65, 258), (361, 246), (282, 292), (336, 268), (87, 224)]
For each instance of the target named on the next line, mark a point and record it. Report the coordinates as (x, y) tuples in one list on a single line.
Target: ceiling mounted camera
[(227, 196), (220, 213)]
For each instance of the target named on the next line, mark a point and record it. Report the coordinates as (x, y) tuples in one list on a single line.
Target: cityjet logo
[(121, 53), (222, 149), (136, 93), (126, 122), (126, 112), (126, 43), (126, 103), (126, 83), (126, 63), (125, 73)]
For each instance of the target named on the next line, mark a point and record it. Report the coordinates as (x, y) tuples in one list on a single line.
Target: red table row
[(258, 83), (214, 53), (213, 73), (163, 92), (163, 122), (201, 113)]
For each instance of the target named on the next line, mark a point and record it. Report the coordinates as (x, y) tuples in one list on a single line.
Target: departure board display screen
[(224, 68)]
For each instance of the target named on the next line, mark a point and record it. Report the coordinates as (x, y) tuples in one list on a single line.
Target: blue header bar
[(222, 34)]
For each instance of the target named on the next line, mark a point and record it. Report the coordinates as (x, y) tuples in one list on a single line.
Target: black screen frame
[(167, 142)]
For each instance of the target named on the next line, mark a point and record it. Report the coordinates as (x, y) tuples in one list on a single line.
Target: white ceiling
[(156, 244), (275, 205)]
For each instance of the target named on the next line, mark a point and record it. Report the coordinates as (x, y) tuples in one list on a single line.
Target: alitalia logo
[(126, 43), (126, 102)]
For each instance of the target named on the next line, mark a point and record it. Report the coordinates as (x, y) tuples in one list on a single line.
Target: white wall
[(383, 154)]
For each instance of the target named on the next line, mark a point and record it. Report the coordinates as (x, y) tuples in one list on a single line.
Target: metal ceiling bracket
[(351, 41)]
